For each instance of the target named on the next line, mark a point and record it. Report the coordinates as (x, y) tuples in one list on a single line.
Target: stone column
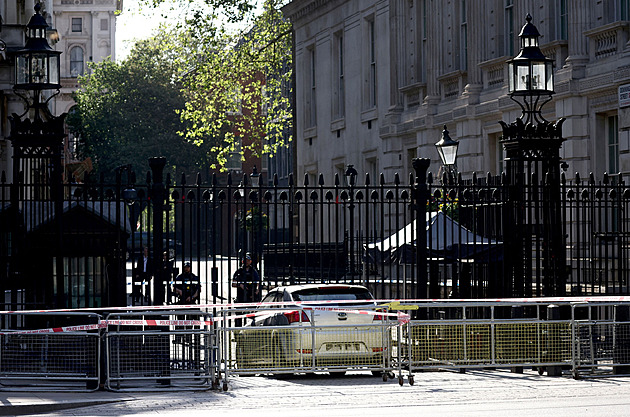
[(578, 22), (433, 59), (477, 40)]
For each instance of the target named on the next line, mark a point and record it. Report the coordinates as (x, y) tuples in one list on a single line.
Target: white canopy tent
[(446, 238)]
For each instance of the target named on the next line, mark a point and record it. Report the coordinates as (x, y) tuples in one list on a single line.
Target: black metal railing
[(485, 237)]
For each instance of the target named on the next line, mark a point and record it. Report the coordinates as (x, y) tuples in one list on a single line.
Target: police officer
[(247, 282), (187, 286)]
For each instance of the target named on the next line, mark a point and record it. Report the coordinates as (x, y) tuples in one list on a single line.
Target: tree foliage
[(236, 83), (128, 112)]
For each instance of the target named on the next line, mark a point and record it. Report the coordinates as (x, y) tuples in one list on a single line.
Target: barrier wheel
[(411, 380), (401, 381), (225, 386), (384, 376), (541, 370)]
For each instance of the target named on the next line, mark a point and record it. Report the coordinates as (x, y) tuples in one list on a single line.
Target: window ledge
[(370, 114), (310, 132), (338, 124)]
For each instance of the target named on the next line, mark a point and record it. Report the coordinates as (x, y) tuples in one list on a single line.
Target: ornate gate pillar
[(533, 214)]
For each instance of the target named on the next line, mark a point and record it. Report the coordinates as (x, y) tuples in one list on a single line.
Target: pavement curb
[(29, 409)]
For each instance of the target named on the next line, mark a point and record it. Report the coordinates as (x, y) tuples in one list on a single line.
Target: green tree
[(236, 83), (128, 112)]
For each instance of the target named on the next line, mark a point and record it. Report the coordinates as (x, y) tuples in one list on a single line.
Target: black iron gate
[(365, 232)]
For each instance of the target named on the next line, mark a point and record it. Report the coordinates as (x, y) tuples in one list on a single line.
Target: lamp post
[(36, 135), (129, 195), (532, 151), (447, 149), (351, 177)]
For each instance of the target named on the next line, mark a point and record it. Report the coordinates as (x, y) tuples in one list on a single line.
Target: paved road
[(475, 393)]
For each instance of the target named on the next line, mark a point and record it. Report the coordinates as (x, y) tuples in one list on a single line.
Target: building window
[(463, 38), (372, 169), (563, 17), (311, 101), (234, 162), (613, 10), (424, 19), (280, 163), (509, 27), (371, 64), (339, 86), (264, 100), (77, 24), (612, 135), (76, 61), (236, 104), (412, 33), (423, 70), (411, 155), (497, 154)]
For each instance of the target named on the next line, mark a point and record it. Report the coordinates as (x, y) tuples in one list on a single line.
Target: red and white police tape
[(402, 318)]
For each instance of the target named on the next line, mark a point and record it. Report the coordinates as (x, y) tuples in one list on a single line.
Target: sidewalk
[(474, 393)]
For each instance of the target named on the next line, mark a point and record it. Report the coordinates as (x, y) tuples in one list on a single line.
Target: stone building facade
[(377, 81)]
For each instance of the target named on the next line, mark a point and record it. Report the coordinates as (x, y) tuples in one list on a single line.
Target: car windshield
[(333, 294)]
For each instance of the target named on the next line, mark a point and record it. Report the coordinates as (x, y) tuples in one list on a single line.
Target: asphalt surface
[(443, 393)]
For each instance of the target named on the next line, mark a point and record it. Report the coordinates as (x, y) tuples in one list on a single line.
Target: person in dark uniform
[(187, 286), (247, 282), (143, 272)]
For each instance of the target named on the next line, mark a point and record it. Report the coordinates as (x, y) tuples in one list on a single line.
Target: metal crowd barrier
[(37, 353), (469, 335), (160, 350), (602, 342), (190, 349), (305, 347)]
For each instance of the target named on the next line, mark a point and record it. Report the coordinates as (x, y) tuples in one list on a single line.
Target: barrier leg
[(621, 349), (553, 313), (517, 312), (410, 376)]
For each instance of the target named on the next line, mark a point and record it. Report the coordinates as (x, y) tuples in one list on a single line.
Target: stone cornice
[(298, 9)]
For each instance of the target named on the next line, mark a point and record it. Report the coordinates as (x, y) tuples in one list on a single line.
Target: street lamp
[(255, 177), (351, 175), (447, 149), (37, 64), (530, 74)]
